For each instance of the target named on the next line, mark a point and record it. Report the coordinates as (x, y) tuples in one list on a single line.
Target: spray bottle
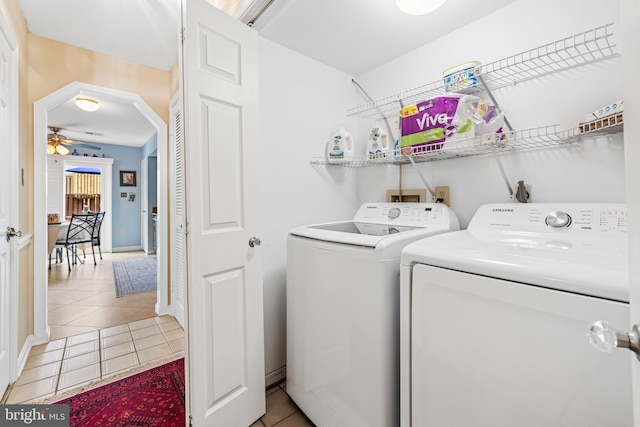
[(378, 143)]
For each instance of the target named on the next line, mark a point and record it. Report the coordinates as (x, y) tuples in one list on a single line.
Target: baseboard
[(161, 312), (127, 249), (41, 339), (275, 376), (23, 356)]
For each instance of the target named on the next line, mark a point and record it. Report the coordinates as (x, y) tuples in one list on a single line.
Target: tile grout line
[(64, 350), (100, 353)]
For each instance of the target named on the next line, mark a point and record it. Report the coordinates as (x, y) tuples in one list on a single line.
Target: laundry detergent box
[(427, 125), (463, 78)]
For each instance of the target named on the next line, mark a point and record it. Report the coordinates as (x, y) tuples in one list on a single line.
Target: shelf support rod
[(364, 92), (503, 173), (410, 157), (422, 177), (508, 126)]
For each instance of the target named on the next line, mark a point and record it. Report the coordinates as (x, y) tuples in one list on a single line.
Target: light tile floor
[(66, 364), (84, 299), (281, 410), (95, 335)]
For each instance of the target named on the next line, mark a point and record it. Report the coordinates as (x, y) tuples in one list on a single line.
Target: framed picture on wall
[(127, 178)]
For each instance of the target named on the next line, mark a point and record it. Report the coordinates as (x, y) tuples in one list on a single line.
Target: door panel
[(225, 296), (8, 202), (224, 288), (222, 130)]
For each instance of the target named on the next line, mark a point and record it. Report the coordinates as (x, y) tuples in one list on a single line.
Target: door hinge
[(182, 34), (190, 421)]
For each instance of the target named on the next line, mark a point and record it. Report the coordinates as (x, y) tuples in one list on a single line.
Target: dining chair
[(95, 240), (81, 230)]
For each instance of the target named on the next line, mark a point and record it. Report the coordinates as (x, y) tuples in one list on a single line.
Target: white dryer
[(343, 282), (494, 320)]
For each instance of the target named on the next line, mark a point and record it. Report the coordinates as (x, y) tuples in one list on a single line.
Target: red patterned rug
[(150, 398)]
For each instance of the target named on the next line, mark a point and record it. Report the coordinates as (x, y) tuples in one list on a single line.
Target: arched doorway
[(42, 108)]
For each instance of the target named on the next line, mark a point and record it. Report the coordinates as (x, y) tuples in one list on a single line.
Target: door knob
[(11, 232), (605, 339), (254, 241)]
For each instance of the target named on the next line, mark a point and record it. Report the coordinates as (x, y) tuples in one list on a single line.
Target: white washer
[(343, 311), (494, 320)]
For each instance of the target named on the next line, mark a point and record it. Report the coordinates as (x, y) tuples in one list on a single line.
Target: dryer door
[(511, 354)]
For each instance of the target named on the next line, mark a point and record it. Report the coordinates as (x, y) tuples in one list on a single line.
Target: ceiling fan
[(57, 143)]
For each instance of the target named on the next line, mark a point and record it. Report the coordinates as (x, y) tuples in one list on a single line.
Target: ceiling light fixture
[(57, 148), (61, 149), (419, 7), (87, 104)]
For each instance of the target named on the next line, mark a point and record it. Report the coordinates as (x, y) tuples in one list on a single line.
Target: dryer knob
[(558, 219), (604, 338)]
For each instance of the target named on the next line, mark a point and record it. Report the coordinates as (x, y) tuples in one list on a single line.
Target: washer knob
[(558, 219), (394, 213)]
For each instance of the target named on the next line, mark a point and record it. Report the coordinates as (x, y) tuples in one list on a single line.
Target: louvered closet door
[(178, 237), (56, 186)]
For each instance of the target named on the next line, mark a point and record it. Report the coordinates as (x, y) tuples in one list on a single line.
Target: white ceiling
[(351, 35), (357, 35)]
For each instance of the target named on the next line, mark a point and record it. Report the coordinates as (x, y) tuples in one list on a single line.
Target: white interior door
[(144, 203), (631, 63), (178, 225), (8, 200), (224, 289)]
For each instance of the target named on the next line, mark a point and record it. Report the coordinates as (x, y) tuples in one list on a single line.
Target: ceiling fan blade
[(83, 145), (87, 132)]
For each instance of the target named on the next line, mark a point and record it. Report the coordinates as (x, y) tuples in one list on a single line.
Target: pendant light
[(419, 7)]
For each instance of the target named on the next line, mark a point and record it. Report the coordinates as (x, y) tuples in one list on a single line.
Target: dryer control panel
[(405, 214), (572, 218)]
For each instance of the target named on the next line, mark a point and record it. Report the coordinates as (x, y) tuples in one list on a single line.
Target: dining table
[(56, 230)]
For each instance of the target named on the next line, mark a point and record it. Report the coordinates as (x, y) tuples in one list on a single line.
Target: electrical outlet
[(442, 195), (527, 187)]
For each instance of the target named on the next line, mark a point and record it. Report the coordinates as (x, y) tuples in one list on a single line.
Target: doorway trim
[(41, 108)]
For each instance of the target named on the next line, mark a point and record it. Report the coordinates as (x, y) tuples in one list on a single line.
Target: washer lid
[(360, 233), (388, 222), (590, 259), (364, 228)]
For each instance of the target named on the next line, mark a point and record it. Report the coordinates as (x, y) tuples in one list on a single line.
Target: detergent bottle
[(340, 146), (378, 143)]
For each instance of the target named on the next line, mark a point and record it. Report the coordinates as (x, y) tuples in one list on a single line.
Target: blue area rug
[(135, 276)]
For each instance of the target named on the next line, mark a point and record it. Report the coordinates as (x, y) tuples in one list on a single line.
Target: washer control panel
[(405, 214)]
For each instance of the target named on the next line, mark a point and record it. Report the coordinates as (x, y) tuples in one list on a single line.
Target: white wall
[(592, 171), (301, 102)]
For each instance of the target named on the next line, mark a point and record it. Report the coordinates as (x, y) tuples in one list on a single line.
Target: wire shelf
[(603, 125), (527, 139), (580, 49)]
